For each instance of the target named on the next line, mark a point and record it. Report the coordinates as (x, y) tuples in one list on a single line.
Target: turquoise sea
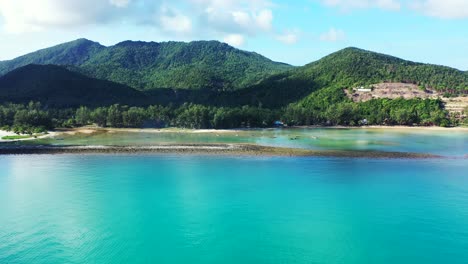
[(208, 209), (447, 142), (204, 209)]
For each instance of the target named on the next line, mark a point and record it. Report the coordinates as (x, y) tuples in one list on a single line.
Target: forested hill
[(55, 86), (233, 77), (353, 67), (150, 65)]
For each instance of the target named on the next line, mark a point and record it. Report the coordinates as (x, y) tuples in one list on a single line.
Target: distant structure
[(366, 90), (278, 124)]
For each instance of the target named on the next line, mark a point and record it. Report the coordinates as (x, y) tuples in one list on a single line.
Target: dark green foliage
[(83, 116), (150, 65), (58, 87), (25, 119), (33, 117), (353, 67), (242, 89), (374, 112)]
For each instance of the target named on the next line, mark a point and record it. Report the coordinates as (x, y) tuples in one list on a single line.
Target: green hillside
[(55, 86), (150, 65), (174, 66), (353, 66), (347, 68)]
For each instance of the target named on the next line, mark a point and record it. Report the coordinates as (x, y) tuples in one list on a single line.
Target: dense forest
[(210, 65), (208, 84), (34, 118)]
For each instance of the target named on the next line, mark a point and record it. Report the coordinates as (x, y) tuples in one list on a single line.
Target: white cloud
[(347, 5), (242, 18), (174, 21), (249, 17), (235, 40), (442, 8), (264, 19), (289, 37), (333, 35), (448, 9), (237, 19), (119, 3), (24, 15)]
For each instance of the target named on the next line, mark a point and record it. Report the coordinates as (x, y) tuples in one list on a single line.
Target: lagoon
[(444, 142), (206, 209)]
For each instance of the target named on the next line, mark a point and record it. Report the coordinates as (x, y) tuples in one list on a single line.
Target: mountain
[(179, 65), (349, 68), (56, 86), (150, 65), (352, 66), (72, 53)]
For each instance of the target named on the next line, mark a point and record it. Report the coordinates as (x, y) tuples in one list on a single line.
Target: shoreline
[(90, 130), (208, 149), (409, 128), (94, 130), (4, 133)]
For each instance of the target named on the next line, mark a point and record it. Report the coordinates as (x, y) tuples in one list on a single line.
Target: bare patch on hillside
[(406, 91), (455, 104), (391, 91)]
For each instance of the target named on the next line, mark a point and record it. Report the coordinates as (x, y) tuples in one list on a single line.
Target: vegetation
[(354, 67), (330, 106), (465, 112), (56, 86), (207, 84), (33, 118), (15, 137), (149, 65)]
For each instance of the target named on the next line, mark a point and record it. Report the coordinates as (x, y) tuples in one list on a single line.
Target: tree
[(134, 117), (114, 116), (99, 116), (83, 116)]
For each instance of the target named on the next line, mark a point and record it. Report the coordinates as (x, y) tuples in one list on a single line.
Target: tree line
[(316, 110)]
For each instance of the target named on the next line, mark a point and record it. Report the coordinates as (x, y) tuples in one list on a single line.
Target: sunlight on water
[(439, 142), (195, 209)]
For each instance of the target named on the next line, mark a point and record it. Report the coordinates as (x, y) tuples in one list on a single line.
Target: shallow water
[(439, 142), (197, 209)]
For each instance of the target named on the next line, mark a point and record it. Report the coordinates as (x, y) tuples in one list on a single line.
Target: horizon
[(304, 31)]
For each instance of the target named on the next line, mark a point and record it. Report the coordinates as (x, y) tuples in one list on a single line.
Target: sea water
[(205, 209)]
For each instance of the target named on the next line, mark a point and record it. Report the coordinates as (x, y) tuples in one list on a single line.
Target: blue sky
[(296, 32)]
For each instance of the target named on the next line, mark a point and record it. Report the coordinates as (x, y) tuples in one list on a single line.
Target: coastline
[(208, 149), (409, 128), (92, 130), (4, 133)]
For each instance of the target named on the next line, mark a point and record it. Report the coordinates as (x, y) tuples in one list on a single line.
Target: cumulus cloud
[(353, 4), (442, 8), (120, 3), (235, 40), (174, 21), (264, 19), (288, 37), (236, 19), (24, 15), (448, 9), (333, 35)]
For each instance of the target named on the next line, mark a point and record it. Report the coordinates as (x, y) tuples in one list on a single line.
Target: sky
[(296, 32)]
